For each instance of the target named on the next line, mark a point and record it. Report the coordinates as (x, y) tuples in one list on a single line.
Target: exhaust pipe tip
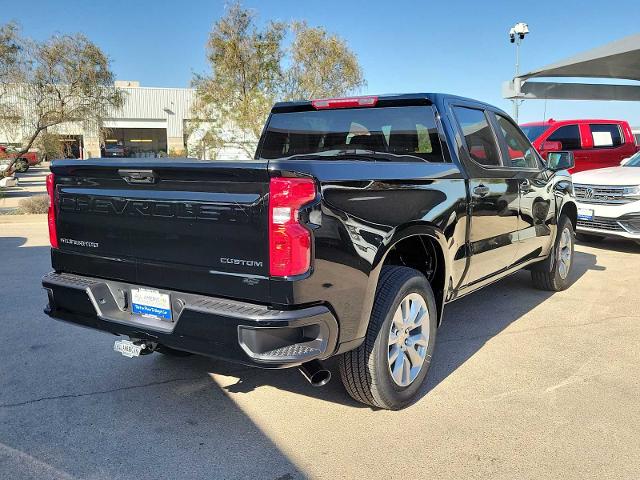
[(315, 373), (320, 378)]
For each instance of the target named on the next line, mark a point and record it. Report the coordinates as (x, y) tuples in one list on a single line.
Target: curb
[(41, 218)]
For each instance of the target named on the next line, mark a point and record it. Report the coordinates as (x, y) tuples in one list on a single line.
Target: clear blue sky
[(450, 46)]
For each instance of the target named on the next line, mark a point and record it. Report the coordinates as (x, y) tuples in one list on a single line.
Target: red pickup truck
[(23, 163), (595, 143)]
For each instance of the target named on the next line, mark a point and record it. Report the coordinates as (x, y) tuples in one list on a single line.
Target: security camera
[(521, 29)]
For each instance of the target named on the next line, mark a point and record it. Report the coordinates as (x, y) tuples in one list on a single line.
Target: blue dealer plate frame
[(151, 303), (585, 214)]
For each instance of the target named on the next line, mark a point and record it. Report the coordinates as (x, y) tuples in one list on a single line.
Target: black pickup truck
[(356, 223)]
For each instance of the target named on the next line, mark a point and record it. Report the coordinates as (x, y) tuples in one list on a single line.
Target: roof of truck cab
[(431, 98)]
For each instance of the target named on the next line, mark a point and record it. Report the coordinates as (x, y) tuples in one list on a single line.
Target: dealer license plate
[(585, 214), (150, 303)]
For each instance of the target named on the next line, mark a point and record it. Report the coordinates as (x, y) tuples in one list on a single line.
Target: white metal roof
[(615, 60), (619, 59)]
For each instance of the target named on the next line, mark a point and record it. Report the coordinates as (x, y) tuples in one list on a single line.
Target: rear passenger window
[(478, 136), (569, 136), (606, 135)]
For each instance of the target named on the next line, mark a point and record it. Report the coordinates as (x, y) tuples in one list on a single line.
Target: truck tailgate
[(181, 223)]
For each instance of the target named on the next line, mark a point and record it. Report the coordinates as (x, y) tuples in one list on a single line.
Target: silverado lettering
[(355, 225), (81, 243)]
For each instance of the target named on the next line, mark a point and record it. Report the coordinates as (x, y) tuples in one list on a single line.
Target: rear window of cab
[(401, 134)]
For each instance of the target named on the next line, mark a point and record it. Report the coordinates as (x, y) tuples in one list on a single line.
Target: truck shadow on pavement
[(164, 417), (467, 325), (472, 321), (71, 408)]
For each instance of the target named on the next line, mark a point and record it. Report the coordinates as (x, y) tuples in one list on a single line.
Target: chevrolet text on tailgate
[(357, 222)]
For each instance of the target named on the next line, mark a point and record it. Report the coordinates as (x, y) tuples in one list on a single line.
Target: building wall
[(144, 107), (170, 105), (151, 107)]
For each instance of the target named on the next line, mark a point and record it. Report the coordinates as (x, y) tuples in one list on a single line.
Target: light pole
[(516, 35)]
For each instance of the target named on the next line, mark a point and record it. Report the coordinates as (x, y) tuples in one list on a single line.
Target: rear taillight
[(289, 241), (53, 231), (349, 102)]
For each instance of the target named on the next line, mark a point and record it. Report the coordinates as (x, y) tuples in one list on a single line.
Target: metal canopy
[(619, 59), (616, 60)]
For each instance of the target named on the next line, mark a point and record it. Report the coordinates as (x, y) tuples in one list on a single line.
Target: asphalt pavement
[(524, 384)]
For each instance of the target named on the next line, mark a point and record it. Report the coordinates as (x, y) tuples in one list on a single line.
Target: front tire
[(390, 366), (553, 274)]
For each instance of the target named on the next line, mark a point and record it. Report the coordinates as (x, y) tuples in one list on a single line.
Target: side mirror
[(560, 161), (551, 146)]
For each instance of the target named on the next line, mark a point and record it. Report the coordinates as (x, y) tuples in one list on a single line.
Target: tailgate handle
[(138, 176)]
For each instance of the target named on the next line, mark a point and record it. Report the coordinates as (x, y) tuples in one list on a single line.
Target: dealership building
[(153, 122)]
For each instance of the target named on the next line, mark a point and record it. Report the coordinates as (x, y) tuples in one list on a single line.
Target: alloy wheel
[(564, 253), (408, 339)]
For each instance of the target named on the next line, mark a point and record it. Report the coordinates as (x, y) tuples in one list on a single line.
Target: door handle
[(481, 191)]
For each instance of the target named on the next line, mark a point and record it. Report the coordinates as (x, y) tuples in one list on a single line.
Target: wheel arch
[(570, 209), (429, 240)]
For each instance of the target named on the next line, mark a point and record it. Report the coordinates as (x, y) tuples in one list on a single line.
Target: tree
[(321, 65), (251, 68), (66, 78), (245, 69), (9, 52)]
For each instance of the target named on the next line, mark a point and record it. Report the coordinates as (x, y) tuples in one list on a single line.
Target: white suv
[(609, 201)]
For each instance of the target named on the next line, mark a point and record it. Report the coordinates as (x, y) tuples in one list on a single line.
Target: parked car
[(23, 163), (357, 222), (609, 201), (4, 165), (7, 178), (114, 150), (594, 143)]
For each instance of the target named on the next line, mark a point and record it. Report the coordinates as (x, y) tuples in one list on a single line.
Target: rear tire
[(589, 238), (553, 274), (389, 368)]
